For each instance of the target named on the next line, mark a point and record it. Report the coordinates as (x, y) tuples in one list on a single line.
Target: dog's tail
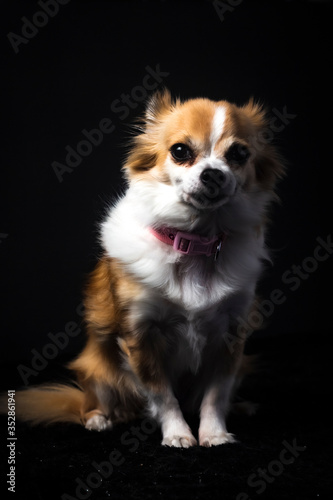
[(47, 404)]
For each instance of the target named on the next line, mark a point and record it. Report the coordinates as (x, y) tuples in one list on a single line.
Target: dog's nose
[(212, 175), (213, 181)]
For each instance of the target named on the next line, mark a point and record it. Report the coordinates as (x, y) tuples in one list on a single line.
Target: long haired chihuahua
[(182, 253)]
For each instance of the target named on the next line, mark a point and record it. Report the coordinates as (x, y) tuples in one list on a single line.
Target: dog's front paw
[(179, 441), (215, 439), (98, 423)]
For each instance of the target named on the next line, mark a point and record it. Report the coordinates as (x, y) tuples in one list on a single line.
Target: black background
[(64, 80)]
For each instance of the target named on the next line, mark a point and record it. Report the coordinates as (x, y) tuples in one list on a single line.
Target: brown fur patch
[(117, 340), (167, 123), (109, 296)]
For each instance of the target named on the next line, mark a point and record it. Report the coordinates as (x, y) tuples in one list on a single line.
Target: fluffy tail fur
[(47, 404)]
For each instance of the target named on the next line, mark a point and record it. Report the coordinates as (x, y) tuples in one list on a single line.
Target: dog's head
[(211, 153)]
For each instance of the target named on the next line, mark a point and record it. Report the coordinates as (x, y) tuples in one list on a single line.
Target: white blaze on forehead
[(217, 126)]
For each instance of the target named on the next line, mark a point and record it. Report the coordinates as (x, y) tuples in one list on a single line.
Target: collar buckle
[(218, 249), (193, 244), (189, 243)]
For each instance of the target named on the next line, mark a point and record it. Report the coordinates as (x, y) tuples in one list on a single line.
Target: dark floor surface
[(283, 452)]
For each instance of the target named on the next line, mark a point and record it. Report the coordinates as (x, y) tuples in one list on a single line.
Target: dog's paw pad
[(98, 423), (215, 440), (179, 441)]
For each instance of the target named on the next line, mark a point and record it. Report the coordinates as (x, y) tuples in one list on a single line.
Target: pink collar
[(189, 243)]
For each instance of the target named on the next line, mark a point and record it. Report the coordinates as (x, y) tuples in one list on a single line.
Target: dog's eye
[(237, 153), (181, 153)]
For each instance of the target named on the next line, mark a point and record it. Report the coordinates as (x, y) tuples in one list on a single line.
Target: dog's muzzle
[(215, 186)]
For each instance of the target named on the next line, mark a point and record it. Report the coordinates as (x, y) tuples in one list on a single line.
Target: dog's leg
[(97, 410), (213, 413), (96, 421), (163, 405), (149, 353), (216, 400), (165, 409)]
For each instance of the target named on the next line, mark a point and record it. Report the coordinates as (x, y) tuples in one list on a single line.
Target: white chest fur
[(194, 283)]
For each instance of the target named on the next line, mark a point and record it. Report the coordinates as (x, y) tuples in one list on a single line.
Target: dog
[(183, 250)]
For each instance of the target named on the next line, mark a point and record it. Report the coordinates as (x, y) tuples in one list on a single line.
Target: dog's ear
[(159, 104), (145, 146), (269, 164), (269, 167), (256, 113)]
